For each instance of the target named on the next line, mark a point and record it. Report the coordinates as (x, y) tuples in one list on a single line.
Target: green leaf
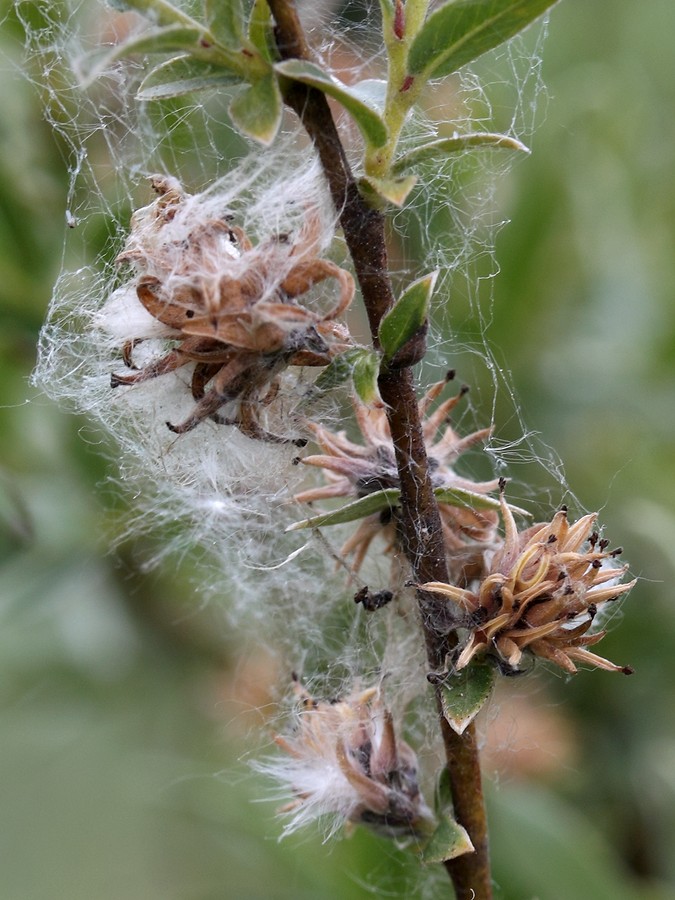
[(448, 841), (407, 316), (260, 29), (357, 509), (446, 146), (463, 693), (154, 40), (338, 370), (462, 30), (364, 376), (388, 499), (226, 20), (391, 190), (183, 75), (256, 112), (368, 120)]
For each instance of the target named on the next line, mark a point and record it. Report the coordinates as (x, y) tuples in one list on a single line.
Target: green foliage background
[(118, 769)]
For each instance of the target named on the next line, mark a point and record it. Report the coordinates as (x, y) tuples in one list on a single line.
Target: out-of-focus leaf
[(463, 694), (443, 795), (448, 841), (257, 110), (155, 40), (260, 29), (532, 824), (226, 20), (357, 509), (160, 11), (364, 376), (447, 146), (183, 75), (368, 120), (407, 316), (462, 30)]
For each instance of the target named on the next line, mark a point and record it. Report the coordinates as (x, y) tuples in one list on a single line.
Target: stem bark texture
[(420, 526)]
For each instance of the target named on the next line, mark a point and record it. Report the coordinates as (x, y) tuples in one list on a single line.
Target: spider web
[(213, 489)]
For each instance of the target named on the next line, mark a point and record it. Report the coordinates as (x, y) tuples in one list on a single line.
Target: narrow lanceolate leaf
[(448, 841), (462, 30), (256, 112), (463, 694), (173, 38), (368, 120), (407, 316), (183, 75), (379, 500), (380, 191), (364, 377), (448, 146), (335, 373), (226, 21), (357, 509)]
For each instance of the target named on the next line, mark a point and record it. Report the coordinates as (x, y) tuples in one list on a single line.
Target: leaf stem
[(421, 532)]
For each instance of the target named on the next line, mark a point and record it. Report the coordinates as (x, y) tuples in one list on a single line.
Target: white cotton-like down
[(212, 487), (345, 763), (329, 797), (124, 318)]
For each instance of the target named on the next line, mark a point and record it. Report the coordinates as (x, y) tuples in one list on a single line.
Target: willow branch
[(420, 525)]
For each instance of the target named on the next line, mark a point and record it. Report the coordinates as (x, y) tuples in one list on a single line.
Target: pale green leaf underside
[(448, 841), (173, 38), (357, 509), (462, 30), (368, 120), (392, 190), (183, 75), (448, 146), (407, 316), (464, 693), (256, 111)]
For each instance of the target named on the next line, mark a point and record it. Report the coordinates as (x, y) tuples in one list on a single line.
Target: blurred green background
[(125, 707)]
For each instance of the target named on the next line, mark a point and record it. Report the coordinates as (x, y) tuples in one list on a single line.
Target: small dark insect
[(372, 601)]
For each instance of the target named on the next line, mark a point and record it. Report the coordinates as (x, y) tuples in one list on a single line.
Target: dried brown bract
[(541, 595), (228, 307), (356, 470)]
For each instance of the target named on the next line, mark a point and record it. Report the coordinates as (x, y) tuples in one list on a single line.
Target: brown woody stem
[(420, 526)]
